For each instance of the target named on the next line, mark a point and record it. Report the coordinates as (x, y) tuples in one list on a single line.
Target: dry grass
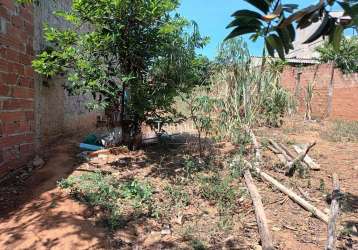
[(342, 131)]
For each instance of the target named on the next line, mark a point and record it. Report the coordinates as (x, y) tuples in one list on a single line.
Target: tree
[(133, 56), (346, 58), (271, 23)]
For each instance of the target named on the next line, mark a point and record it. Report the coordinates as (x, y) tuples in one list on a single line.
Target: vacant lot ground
[(171, 199)]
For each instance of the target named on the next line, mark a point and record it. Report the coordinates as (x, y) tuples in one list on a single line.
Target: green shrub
[(219, 191), (104, 191)]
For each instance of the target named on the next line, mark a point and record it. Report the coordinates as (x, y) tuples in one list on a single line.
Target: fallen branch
[(296, 198), (333, 214), (281, 150), (308, 160), (291, 166), (288, 152), (265, 235), (274, 150)]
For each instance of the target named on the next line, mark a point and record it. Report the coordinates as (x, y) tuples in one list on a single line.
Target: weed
[(225, 223), (197, 245), (192, 165), (218, 190), (302, 170), (237, 166), (106, 192), (179, 198), (322, 185)]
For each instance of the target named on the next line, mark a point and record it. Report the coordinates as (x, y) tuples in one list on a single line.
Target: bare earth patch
[(189, 211)]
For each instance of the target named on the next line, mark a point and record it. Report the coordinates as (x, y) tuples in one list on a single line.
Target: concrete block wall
[(345, 90), (17, 93)]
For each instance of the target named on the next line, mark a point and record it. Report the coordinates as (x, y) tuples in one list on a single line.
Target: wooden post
[(330, 91), (333, 215), (296, 198), (265, 235)]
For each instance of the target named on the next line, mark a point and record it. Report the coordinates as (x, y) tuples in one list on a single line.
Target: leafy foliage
[(139, 56), (240, 103), (266, 23), (109, 194), (270, 22), (345, 57)]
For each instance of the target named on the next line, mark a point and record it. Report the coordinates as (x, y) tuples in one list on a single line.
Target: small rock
[(355, 168), (326, 210), (258, 247), (354, 229), (38, 162), (166, 230), (276, 229)]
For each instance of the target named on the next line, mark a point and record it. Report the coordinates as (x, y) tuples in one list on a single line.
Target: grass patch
[(219, 191), (114, 198), (342, 131)]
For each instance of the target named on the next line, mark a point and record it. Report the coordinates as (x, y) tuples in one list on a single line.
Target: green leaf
[(277, 44), (269, 48), (285, 38), (260, 4), (241, 31), (289, 7), (292, 32), (244, 21), (320, 30), (247, 13), (301, 13)]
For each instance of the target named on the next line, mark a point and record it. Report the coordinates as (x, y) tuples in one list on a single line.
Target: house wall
[(345, 90), (17, 87), (34, 112)]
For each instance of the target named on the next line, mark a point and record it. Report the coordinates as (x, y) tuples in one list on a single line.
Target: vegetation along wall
[(340, 104), (33, 111)]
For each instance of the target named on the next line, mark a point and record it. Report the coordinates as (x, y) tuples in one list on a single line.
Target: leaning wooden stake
[(333, 214), (291, 166), (308, 160), (265, 235), (296, 198)]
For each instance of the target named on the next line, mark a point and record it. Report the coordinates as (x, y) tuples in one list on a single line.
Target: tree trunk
[(333, 214), (265, 235), (330, 92)]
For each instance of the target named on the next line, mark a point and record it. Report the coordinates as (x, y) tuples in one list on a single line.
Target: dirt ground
[(36, 214)]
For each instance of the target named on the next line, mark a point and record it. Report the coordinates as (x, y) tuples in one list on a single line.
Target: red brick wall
[(345, 91), (16, 85)]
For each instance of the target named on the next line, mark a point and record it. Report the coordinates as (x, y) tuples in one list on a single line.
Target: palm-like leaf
[(264, 22)]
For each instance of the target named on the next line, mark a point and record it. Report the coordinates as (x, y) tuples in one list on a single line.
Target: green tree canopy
[(136, 54), (345, 58)]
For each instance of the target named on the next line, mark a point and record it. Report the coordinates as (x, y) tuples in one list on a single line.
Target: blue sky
[(214, 15)]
